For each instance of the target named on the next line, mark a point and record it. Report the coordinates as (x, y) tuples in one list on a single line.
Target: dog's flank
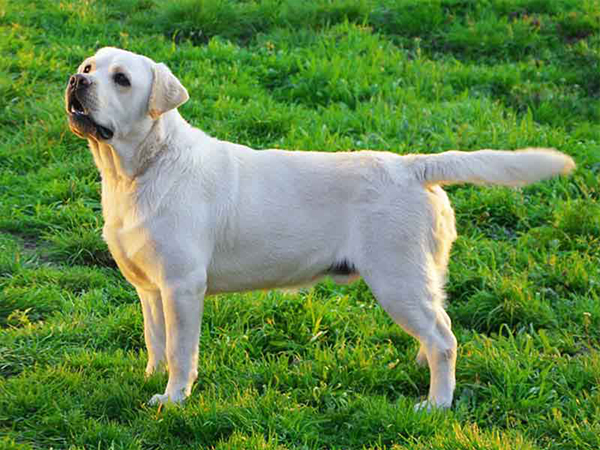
[(187, 215)]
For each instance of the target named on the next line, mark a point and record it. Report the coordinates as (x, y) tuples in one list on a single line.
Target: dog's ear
[(167, 91)]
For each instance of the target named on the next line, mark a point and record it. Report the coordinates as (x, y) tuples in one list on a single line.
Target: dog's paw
[(424, 406), (163, 399), (152, 369), (159, 399), (428, 406)]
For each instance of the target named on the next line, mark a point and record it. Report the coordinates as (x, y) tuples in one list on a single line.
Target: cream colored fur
[(187, 215)]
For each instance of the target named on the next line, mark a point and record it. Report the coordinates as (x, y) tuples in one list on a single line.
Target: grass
[(323, 368)]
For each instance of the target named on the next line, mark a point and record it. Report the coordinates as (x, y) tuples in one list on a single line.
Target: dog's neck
[(124, 161)]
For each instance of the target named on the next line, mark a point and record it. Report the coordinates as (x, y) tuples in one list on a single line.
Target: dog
[(187, 215)]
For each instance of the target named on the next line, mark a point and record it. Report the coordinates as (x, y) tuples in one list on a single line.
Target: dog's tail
[(508, 168)]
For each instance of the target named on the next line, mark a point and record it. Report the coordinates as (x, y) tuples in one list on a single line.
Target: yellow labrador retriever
[(187, 215)]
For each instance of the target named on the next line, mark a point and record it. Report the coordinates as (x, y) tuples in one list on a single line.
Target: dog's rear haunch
[(187, 215)]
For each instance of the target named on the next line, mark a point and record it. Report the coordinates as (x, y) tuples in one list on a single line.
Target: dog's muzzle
[(79, 115)]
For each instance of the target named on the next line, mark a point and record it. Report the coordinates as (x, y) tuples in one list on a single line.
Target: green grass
[(324, 368)]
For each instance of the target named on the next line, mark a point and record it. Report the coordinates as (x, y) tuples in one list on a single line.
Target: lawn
[(323, 368)]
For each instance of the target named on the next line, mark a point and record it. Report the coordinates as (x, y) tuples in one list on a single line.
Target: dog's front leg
[(183, 302), (154, 329)]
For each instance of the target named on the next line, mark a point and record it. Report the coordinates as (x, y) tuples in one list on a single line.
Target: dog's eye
[(121, 79), (87, 68)]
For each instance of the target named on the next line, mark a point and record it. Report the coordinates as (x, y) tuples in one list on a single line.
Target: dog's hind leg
[(411, 292), (443, 234), (421, 358)]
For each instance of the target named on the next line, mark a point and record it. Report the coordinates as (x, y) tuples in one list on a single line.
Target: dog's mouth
[(80, 119), (75, 107)]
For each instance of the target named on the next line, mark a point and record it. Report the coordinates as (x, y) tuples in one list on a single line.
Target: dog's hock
[(167, 91)]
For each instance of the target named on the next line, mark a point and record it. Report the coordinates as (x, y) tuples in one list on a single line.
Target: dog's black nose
[(78, 80)]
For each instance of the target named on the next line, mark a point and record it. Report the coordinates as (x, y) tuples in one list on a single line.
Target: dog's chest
[(128, 248), (128, 239)]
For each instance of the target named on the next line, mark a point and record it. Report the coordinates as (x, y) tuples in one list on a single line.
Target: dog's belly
[(283, 247), (254, 273)]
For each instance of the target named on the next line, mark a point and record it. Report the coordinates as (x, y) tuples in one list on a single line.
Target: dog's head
[(116, 95)]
